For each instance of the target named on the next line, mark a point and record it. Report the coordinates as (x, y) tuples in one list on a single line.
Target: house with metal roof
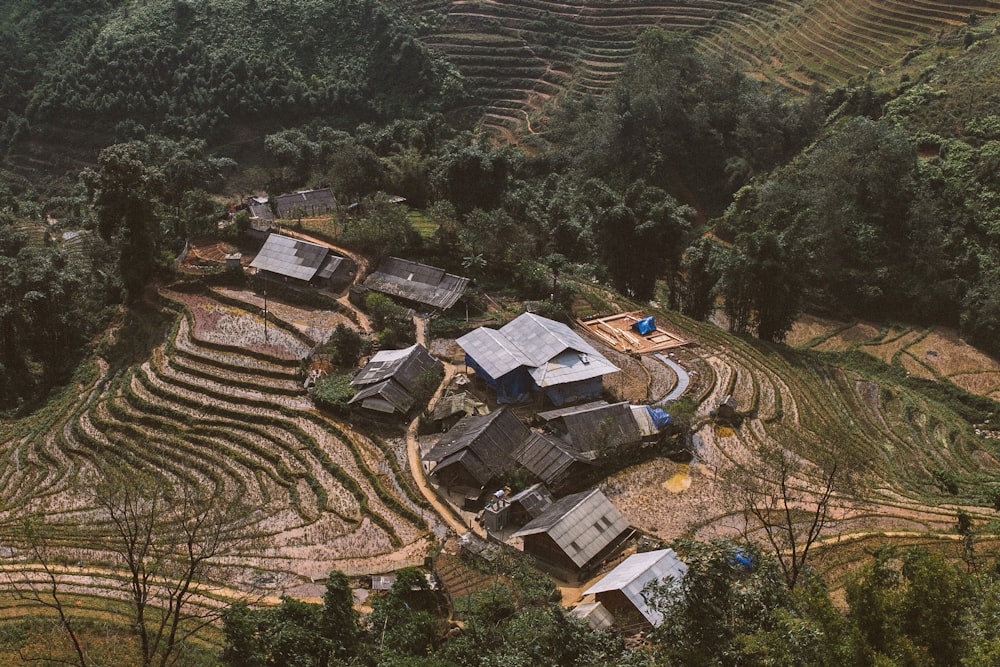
[(477, 451), (289, 259), (556, 464), (390, 382), (596, 428), (535, 354), (621, 591), (305, 203), (575, 533), (416, 283)]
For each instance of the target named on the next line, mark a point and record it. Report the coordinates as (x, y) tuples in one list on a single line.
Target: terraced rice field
[(216, 407), (792, 397), (520, 56)]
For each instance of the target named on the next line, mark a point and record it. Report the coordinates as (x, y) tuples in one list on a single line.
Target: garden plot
[(227, 325), (313, 323)]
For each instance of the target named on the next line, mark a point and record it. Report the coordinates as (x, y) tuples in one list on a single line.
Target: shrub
[(333, 392)]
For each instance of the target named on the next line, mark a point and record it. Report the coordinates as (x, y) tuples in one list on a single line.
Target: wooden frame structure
[(616, 331)]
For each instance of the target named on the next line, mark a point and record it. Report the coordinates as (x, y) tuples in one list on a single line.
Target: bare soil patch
[(808, 328), (849, 337), (985, 384), (946, 353), (220, 323)]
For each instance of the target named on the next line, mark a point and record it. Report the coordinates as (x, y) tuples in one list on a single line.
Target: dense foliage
[(197, 68)]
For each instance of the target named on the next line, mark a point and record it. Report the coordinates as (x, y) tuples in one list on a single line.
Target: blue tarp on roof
[(645, 326), (660, 417)]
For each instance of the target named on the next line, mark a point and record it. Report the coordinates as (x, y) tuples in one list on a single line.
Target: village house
[(390, 382), (596, 428), (477, 452), (533, 354), (574, 534), (302, 263), (621, 591), (556, 464), (417, 285)]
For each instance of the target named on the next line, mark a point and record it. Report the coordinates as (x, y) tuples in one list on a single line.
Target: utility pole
[(265, 307)]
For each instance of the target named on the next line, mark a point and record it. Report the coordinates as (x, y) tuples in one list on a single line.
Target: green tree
[(641, 233), (124, 190), (911, 608)]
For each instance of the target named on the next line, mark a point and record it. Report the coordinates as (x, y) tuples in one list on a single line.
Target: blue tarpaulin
[(645, 325), (660, 417)]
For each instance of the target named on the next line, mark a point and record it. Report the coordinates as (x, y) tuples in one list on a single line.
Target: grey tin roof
[(546, 458), (290, 257), (417, 282), (491, 440), (635, 572), (404, 366), (554, 353), (592, 428), (311, 202), (535, 499), (582, 524), (389, 391)]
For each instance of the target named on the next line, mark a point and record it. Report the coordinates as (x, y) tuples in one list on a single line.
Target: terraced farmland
[(208, 412), (911, 441), (519, 56)]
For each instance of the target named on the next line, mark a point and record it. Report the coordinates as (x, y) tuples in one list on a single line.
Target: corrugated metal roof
[(635, 572), (554, 353), (390, 391), (535, 499), (546, 458), (417, 282), (549, 415), (261, 211), (495, 353), (598, 427), (290, 257), (329, 266), (491, 439), (571, 366), (405, 366), (582, 525), (311, 202)]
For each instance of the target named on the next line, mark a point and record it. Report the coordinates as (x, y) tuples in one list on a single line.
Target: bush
[(333, 392)]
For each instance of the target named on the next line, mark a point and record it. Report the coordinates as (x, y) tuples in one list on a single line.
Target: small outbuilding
[(621, 591), (390, 382), (596, 428)]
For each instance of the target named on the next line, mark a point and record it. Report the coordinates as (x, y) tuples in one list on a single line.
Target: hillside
[(520, 57)]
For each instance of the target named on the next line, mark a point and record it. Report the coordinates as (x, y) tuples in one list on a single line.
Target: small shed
[(621, 591), (595, 614), (727, 409), (390, 382), (451, 409)]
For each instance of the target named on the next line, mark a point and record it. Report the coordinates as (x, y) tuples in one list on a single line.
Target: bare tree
[(47, 593), (791, 501), (166, 544)]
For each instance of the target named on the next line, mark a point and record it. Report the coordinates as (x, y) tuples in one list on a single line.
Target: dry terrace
[(617, 331)]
